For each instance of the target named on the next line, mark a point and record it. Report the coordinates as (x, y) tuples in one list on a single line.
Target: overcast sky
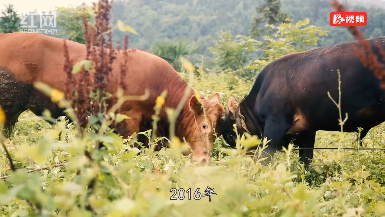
[(25, 6)]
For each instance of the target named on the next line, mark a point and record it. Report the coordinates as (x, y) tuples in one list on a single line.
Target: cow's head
[(201, 132), (228, 119)]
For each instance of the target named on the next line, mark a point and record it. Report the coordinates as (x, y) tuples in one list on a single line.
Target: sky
[(25, 6)]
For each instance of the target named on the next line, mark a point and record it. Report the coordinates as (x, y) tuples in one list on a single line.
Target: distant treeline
[(199, 20)]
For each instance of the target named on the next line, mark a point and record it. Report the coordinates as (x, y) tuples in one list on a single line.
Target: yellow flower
[(61, 104), (159, 101), (56, 95), (2, 116), (187, 65), (198, 96)]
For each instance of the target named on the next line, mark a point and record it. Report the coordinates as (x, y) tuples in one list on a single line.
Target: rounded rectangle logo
[(348, 18)]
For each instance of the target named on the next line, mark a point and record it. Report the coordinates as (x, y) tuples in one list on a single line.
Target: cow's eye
[(230, 137), (204, 126)]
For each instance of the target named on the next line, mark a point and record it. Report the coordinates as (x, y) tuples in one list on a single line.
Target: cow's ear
[(232, 104), (195, 105), (215, 98)]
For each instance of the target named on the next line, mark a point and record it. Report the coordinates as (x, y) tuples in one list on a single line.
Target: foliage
[(271, 14), (138, 183), (377, 32), (173, 51), (70, 22), (9, 21), (199, 20), (62, 173), (288, 38), (318, 12), (232, 53)]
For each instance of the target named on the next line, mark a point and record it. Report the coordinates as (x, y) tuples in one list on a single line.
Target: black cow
[(289, 98)]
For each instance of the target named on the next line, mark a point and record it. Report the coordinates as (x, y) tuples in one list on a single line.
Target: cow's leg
[(14, 96), (306, 140), (286, 140), (44, 104), (10, 121), (275, 129)]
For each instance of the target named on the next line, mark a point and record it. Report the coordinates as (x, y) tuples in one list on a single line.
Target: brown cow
[(26, 58)]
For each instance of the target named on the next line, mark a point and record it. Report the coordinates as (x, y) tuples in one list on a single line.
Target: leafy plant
[(172, 52), (10, 20), (271, 15), (245, 55), (233, 53), (70, 22)]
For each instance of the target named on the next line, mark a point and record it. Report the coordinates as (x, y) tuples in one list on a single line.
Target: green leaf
[(78, 66), (98, 202), (250, 142), (281, 168), (19, 177), (40, 153), (72, 187), (106, 139), (26, 193), (121, 117), (3, 188), (124, 205), (46, 89), (128, 155), (268, 186), (11, 194), (379, 208), (301, 192), (125, 28), (117, 140), (83, 213), (156, 204), (207, 170), (323, 33), (92, 120)]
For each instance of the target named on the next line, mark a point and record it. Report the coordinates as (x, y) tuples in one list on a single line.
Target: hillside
[(199, 20)]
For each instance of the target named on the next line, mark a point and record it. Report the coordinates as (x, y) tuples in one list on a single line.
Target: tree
[(239, 54), (271, 14), (171, 52), (70, 22), (289, 38), (9, 21), (377, 32), (232, 53)]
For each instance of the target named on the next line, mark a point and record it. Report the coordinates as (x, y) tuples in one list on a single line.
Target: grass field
[(128, 183)]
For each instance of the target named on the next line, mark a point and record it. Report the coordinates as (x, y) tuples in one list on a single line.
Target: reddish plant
[(99, 50), (368, 59)]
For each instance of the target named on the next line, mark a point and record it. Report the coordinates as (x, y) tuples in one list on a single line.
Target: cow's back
[(26, 58), (147, 71), (302, 81), (36, 57)]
